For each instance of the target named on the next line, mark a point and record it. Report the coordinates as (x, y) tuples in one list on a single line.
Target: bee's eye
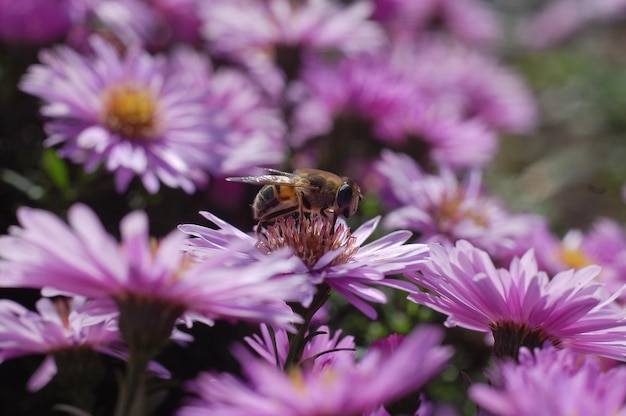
[(345, 196)]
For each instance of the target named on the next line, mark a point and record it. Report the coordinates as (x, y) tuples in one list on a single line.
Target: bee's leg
[(334, 222)]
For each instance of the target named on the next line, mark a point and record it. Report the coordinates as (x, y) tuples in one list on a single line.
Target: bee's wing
[(265, 180), (277, 178)]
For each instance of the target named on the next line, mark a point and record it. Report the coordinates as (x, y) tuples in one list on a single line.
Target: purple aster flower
[(34, 21), (552, 382), (468, 84), (604, 244), (470, 21), (140, 274), (276, 27), (136, 114), (443, 210), (521, 306), (343, 387), (561, 19), (60, 329), (335, 259), (253, 130)]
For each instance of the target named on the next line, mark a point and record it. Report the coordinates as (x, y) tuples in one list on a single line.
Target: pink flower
[(139, 271), (341, 387), (521, 306), (552, 382)]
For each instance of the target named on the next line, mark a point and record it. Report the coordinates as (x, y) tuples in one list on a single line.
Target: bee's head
[(348, 197)]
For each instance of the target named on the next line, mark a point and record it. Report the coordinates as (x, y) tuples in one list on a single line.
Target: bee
[(305, 190)]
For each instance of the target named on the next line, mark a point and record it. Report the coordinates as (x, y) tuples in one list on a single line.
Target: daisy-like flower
[(440, 209), (470, 21), (521, 306), (34, 21), (63, 330), (148, 280), (335, 259), (342, 388), (282, 28), (136, 114), (552, 382), (604, 244)]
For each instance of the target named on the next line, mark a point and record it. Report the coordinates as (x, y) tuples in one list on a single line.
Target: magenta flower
[(136, 114), (139, 272), (443, 210), (34, 21), (56, 328), (604, 244), (239, 27), (552, 382), (521, 306), (337, 259), (470, 21), (344, 387)]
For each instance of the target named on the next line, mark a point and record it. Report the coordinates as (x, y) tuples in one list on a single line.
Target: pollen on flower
[(310, 238), (451, 212), (131, 111), (575, 258)]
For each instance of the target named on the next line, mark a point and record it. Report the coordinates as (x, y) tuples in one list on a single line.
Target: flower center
[(130, 110), (574, 258), (509, 337), (310, 238), (451, 212)]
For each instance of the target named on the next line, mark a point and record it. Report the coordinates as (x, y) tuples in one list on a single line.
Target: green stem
[(298, 342), (132, 395)]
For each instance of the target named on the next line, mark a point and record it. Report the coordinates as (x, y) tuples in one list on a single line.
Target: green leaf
[(56, 169)]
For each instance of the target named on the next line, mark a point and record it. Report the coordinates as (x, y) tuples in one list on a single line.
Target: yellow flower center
[(130, 110), (575, 258)]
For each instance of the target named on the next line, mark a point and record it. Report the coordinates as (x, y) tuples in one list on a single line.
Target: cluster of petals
[(455, 109), (92, 263), (321, 350), (237, 27), (441, 209), (156, 99), (341, 387), (571, 309), (353, 278), (555, 382), (469, 21), (50, 330)]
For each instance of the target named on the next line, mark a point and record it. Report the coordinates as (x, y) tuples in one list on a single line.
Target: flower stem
[(298, 342), (132, 393)]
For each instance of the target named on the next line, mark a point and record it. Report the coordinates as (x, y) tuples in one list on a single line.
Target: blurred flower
[(552, 382), (59, 329), (134, 114), (450, 113), (322, 350), (282, 29), (521, 306), (560, 19), (182, 17), (470, 21), (36, 22), (335, 258), (343, 387), (147, 279), (252, 130), (604, 244), (443, 210)]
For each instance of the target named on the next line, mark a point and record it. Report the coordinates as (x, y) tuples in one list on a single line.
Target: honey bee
[(305, 190)]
